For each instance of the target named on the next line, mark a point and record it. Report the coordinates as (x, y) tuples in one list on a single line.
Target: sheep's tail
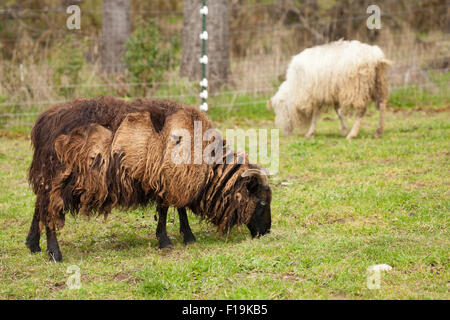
[(386, 63)]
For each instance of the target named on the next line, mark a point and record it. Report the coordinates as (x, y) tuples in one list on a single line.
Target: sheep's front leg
[(355, 129), (312, 128), (52, 245), (185, 229), (34, 234), (380, 129), (344, 128), (161, 233)]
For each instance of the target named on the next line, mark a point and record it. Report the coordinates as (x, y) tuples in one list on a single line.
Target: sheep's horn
[(260, 174)]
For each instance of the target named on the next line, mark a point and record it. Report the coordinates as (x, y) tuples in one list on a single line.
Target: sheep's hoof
[(54, 255), (33, 245), (34, 248), (165, 244), (309, 136), (188, 238), (344, 132), (350, 137), (378, 134)]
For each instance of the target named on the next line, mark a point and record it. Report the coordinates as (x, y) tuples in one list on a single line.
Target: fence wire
[(244, 86)]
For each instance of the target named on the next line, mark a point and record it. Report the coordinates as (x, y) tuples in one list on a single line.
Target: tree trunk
[(116, 30), (217, 45)]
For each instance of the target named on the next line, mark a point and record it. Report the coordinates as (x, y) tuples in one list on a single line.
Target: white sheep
[(342, 74)]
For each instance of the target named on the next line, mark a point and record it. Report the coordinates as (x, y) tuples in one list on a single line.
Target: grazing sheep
[(342, 74), (91, 155)]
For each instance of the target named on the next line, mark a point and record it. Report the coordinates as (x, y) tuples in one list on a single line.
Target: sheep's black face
[(260, 221)]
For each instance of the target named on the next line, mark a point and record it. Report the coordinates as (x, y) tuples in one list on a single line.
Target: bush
[(68, 61), (147, 56)]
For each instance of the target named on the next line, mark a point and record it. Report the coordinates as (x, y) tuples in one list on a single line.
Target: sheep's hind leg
[(52, 245), (355, 129), (344, 128), (185, 229), (312, 128), (34, 234), (161, 233), (380, 129)]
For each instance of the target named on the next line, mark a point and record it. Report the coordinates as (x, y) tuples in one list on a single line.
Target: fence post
[(204, 58)]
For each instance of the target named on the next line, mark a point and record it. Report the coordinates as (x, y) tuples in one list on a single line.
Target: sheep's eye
[(263, 203)]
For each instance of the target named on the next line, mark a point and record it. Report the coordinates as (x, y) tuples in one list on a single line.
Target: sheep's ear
[(252, 184), (260, 175)]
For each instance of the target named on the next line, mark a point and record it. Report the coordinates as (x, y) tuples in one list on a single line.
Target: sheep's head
[(260, 197)]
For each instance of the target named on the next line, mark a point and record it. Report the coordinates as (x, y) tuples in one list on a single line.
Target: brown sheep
[(91, 155)]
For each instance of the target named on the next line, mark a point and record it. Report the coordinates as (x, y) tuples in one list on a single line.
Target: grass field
[(338, 207)]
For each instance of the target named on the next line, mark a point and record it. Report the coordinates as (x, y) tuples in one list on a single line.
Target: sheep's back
[(329, 73), (334, 59), (62, 119)]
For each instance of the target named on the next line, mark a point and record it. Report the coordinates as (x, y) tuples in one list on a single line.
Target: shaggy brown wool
[(91, 155)]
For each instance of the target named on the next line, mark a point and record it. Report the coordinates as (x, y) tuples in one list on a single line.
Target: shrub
[(68, 61), (147, 56)]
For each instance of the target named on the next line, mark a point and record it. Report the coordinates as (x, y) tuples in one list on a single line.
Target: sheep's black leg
[(52, 245), (185, 229), (161, 233), (34, 234)]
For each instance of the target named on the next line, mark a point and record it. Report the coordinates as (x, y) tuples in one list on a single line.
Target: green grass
[(338, 207), (436, 95)]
